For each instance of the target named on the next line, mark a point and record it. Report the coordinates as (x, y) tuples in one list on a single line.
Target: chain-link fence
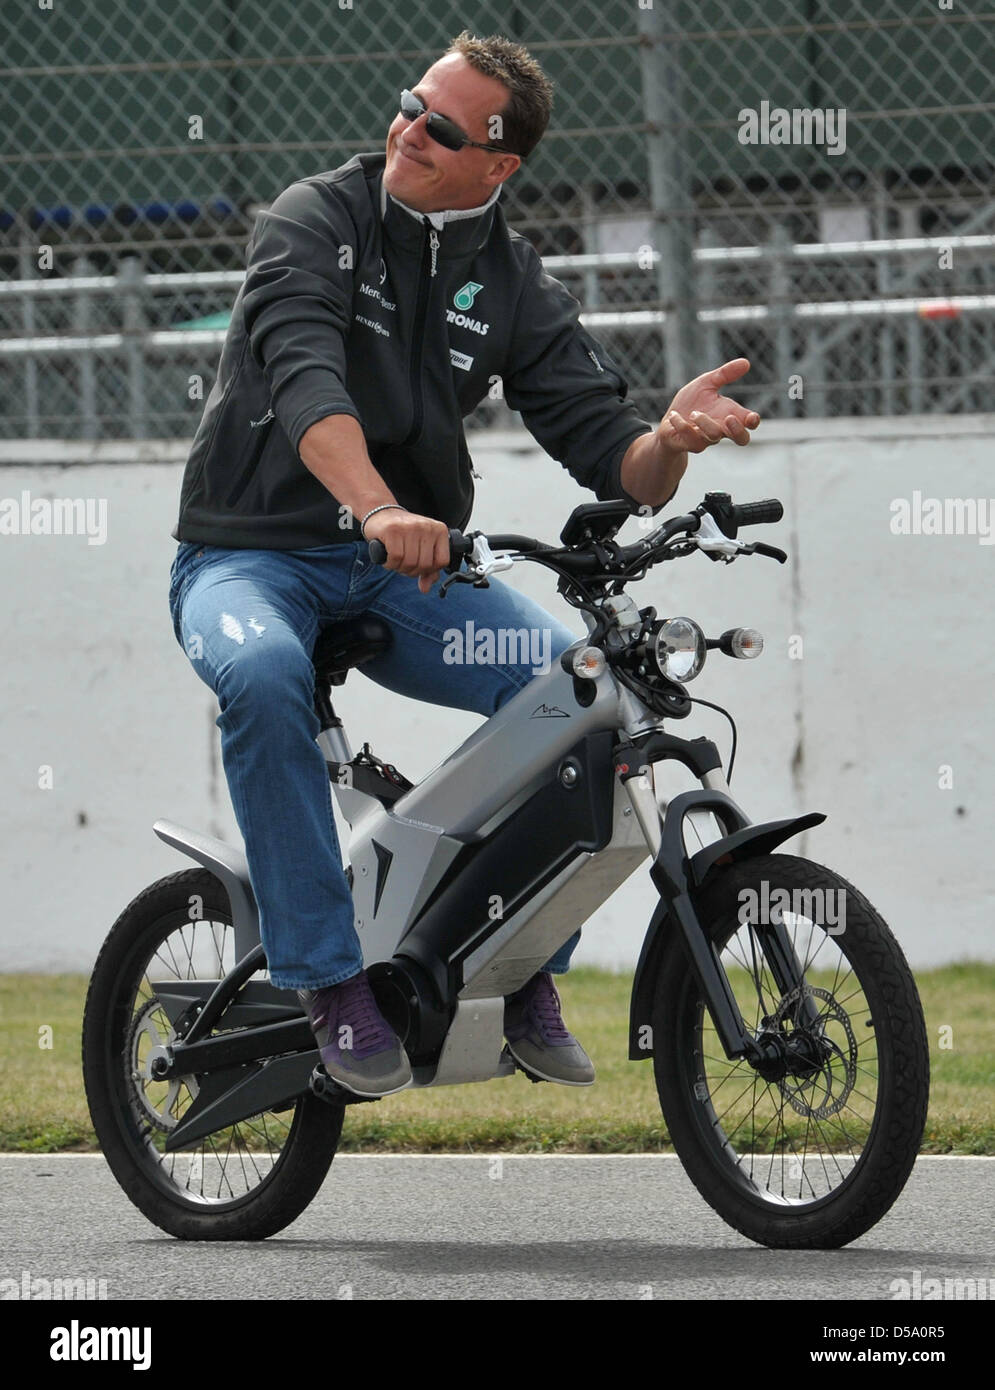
[(810, 185)]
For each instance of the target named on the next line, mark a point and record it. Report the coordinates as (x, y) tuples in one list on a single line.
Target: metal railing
[(604, 277)]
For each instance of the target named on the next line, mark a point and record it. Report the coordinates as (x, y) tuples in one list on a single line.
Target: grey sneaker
[(358, 1047), (537, 1037)]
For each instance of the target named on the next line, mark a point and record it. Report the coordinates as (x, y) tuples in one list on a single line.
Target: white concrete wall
[(893, 685)]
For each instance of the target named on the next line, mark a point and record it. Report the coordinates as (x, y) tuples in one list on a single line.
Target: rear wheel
[(813, 1152), (241, 1183)]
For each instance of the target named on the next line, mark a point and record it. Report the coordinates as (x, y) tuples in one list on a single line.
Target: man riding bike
[(381, 301)]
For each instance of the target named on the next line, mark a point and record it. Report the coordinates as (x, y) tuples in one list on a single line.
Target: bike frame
[(466, 884)]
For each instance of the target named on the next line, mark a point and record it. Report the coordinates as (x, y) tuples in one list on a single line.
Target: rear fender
[(230, 866)]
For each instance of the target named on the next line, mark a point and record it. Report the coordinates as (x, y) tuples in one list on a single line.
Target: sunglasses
[(444, 131)]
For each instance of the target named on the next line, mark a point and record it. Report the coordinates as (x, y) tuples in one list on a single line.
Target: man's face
[(424, 174)]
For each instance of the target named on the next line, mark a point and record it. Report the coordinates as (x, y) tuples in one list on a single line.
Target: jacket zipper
[(430, 252)]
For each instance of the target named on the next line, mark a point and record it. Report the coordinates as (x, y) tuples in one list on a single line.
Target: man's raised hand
[(699, 415)]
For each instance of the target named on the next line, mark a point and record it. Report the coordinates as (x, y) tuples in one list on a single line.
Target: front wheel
[(243, 1182), (813, 1152)]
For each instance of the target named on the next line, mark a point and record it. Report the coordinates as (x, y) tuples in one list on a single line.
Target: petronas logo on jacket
[(464, 297)]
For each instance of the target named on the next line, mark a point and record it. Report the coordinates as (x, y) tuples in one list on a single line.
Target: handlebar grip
[(459, 546), (757, 513)]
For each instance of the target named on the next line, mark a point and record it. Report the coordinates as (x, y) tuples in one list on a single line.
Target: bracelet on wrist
[(384, 506)]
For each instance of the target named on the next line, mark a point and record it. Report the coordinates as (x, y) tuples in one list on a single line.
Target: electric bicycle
[(771, 999)]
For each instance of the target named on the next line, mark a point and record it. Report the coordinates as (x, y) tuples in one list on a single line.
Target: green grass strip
[(43, 1109)]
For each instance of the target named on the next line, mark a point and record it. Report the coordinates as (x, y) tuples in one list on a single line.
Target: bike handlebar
[(461, 546)]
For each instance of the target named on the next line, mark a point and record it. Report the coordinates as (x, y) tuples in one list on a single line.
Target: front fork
[(676, 874)]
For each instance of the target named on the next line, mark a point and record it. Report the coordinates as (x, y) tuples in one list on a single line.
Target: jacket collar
[(462, 231), (437, 219)]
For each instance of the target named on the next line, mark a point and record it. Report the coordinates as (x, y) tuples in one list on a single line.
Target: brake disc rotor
[(833, 1082)]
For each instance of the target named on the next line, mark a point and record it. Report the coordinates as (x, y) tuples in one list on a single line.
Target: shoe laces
[(545, 1004), (359, 1011)]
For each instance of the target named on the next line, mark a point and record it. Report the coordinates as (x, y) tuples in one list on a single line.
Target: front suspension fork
[(675, 876)]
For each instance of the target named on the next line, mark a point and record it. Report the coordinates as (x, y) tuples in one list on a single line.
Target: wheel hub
[(814, 1074)]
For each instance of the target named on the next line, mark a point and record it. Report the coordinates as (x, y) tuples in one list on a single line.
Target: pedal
[(507, 1056), (322, 1086)]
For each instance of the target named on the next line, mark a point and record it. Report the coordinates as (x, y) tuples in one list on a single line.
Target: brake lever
[(718, 546), (478, 582), (762, 548), (481, 562)]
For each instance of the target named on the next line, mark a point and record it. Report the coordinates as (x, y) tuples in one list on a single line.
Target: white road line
[(487, 1154)]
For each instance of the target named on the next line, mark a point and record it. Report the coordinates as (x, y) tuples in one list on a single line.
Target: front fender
[(675, 872)]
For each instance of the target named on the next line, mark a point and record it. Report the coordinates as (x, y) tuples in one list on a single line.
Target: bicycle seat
[(342, 645)]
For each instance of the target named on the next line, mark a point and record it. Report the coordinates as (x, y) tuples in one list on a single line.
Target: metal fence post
[(589, 221), (914, 365), (708, 298), (886, 342), (780, 304), (28, 270), (83, 323), (670, 195), (130, 272)]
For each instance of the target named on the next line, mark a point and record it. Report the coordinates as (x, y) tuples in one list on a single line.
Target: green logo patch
[(464, 297)]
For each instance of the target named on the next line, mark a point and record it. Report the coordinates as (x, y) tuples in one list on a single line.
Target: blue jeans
[(247, 619)]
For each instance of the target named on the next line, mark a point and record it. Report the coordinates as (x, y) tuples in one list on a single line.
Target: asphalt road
[(453, 1227)]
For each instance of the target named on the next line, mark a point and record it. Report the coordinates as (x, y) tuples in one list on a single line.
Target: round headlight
[(679, 648)]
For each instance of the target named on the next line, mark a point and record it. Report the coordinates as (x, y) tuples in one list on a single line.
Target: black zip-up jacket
[(353, 306)]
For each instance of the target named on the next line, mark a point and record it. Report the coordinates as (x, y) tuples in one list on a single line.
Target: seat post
[(339, 647), (331, 738)]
